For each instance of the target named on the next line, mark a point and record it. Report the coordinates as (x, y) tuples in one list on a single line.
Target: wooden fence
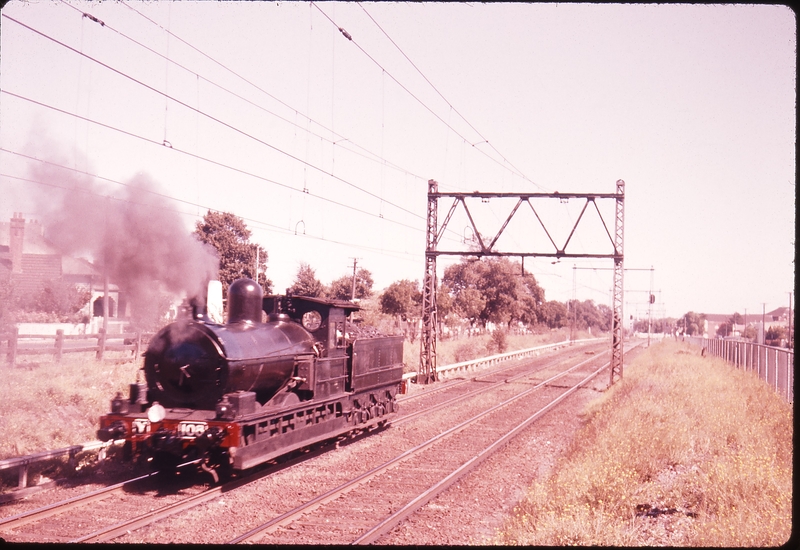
[(13, 344)]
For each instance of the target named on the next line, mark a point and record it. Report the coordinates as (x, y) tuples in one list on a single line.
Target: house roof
[(778, 313), (35, 244), (33, 241)]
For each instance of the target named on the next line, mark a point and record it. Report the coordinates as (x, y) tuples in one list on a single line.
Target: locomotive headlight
[(156, 413)]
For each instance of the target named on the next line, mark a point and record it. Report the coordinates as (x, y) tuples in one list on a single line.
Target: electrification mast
[(427, 358)]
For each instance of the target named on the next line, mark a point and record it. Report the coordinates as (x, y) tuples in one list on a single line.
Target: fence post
[(101, 343), (23, 475), (12, 346), (59, 345)]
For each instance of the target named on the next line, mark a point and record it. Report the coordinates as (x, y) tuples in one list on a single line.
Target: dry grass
[(46, 406), (702, 447)]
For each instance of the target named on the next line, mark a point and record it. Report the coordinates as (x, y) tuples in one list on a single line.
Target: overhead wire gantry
[(427, 371)]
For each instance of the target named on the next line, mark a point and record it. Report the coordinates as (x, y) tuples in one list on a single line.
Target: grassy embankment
[(705, 449), (46, 406)]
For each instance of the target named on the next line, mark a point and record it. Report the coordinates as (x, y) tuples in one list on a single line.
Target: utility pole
[(353, 290), (789, 336), (763, 323), (650, 299), (574, 306)]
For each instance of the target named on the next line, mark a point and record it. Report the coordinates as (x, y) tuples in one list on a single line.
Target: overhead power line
[(409, 92), (374, 157), (485, 140), (221, 122), (263, 224), (211, 161)]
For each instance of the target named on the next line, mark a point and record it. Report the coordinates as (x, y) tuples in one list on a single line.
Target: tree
[(586, 314), (342, 288), (494, 290), (692, 323), (61, 298), (554, 314), (402, 298), (306, 283), (776, 333), (229, 235)]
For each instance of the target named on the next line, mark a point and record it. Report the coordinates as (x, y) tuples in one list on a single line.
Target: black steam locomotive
[(244, 392)]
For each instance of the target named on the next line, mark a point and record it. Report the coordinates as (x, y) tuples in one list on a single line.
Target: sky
[(323, 140)]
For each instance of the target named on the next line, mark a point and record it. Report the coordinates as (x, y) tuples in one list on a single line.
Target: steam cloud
[(134, 234)]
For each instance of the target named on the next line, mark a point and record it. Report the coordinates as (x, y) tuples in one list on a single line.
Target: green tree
[(306, 283), (61, 299), (342, 288), (229, 235), (776, 333), (402, 298), (494, 290), (692, 323), (554, 314)]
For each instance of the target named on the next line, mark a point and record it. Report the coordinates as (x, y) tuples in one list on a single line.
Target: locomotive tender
[(244, 392)]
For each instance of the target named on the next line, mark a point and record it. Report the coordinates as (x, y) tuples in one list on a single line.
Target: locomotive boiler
[(241, 393)]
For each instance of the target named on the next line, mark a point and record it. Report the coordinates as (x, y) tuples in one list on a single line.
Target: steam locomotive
[(237, 394)]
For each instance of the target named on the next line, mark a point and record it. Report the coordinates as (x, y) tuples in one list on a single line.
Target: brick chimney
[(15, 242)]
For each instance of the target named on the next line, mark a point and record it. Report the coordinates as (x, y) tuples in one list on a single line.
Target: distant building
[(28, 260)]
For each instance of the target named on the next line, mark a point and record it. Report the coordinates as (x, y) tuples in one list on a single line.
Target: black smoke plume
[(131, 232)]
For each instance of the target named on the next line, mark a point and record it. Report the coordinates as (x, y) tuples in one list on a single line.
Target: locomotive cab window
[(340, 334)]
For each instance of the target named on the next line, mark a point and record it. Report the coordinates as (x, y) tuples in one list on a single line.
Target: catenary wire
[(262, 224), (445, 99), (221, 122), (211, 161), (350, 38), (374, 157)]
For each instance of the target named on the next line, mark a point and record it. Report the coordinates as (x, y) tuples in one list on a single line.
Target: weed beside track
[(684, 451)]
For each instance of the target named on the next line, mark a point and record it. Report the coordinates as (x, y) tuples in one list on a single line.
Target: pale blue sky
[(693, 106)]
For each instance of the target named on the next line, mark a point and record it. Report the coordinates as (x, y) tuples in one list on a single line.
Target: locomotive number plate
[(140, 426), (191, 429)]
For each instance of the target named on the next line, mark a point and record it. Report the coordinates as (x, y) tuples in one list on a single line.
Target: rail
[(23, 462), (37, 344), (497, 358), (775, 366)]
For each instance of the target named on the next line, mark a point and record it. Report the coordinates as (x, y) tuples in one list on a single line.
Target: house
[(28, 260)]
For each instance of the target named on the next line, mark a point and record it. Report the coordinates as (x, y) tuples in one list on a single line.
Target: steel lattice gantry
[(427, 370), (427, 359)]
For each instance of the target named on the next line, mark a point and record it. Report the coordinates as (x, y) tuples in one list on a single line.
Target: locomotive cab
[(325, 320)]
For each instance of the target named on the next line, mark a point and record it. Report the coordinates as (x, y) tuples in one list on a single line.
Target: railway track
[(467, 444), (449, 394)]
